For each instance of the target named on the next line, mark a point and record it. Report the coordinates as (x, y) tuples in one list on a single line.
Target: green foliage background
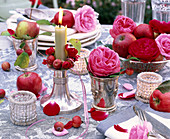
[(107, 9)]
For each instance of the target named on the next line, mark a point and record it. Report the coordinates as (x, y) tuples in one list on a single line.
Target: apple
[(121, 43), (143, 31), (59, 126), (27, 28), (76, 121), (29, 81), (129, 71), (68, 19), (2, 93), (5, 66)]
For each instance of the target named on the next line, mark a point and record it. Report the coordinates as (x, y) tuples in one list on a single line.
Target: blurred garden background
[(107, 9)]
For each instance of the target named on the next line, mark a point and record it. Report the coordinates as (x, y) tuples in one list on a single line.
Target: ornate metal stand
[(60, 94)]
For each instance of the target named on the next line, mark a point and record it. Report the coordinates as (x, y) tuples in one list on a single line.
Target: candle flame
[(60, 16)]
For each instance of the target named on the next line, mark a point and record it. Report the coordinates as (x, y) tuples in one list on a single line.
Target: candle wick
[(59, 25)]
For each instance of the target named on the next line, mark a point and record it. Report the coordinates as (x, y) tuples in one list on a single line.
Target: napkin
[(127, 119)]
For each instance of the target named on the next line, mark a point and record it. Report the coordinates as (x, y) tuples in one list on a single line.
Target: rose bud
[(66, 65), (57, 64)]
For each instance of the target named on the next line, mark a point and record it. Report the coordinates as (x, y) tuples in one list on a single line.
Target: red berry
[(129, 71), (50, 59), (76, 121), (2, 93), (57, 64), (59, 126), (19, 51), (6, 66), (29, 52)]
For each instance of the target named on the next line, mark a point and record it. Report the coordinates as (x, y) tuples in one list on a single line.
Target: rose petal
[(57, 133), (91, 110), (68, 125), (127, 94), (11, 32), (120, 129), (128, 86), (51, 109), (99, 115), (101, 103)]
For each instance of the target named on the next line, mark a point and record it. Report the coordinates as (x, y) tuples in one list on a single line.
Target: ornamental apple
[(29, 81), (68, 19), (121, 43), (159, 101), (76, 121), (27, 28), (143, 31), (2, 93)]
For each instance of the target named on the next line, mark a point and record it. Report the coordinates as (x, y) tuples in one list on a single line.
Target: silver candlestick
[(60, 94)]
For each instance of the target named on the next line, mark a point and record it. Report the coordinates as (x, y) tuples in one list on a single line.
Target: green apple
[(27, 28)]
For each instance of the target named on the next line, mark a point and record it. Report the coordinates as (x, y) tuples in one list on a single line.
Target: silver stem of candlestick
[(68, 102)]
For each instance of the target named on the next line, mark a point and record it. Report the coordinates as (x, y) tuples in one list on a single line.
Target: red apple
[(6, 66), (76, 121), (59, 126), (27, 28), (121, 43), (29, 81), (2, 93), (129, 71), (68, 19), (57, 64), (143, 31)]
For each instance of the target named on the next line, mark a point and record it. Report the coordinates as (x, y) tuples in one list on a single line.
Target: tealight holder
[(80, 66), (147, 82), (30, 47), (22, 106)]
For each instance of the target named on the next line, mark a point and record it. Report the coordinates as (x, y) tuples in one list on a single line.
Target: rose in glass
[(145, 49), (140, 132), (122, 24), (103, 62), (85, 20), (163, 43)]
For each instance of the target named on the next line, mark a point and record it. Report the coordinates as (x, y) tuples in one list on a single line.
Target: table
[(42, 130)]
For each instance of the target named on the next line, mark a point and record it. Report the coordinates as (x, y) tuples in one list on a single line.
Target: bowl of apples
[(144, 47)]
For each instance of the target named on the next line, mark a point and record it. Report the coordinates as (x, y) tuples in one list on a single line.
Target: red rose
[(145, 49), (66, 65), (72, 52), (160, 27), (50, 51)]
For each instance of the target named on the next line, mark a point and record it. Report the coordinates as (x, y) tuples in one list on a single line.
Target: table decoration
[(60, 60), (23, 108), (104, 68), (147, 82), (144, 42), (80, 65)]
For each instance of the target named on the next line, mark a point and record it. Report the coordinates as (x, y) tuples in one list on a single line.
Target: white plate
[(43, 43), (82, 45)]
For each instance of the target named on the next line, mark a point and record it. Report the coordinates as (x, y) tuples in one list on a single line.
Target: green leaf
[(46, 33), (86, 61), (22, 60), (5, 33), (164, 87), (76, 43), (131, 58), (109, 46), (22, 45), (43, 22), (27, 37), (1, 100)]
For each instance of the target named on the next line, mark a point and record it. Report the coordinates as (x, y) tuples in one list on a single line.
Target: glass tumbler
[(134, 9)]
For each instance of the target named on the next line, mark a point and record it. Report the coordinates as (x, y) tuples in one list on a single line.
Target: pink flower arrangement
[(85, 20), (58, 64), (122, 24), (103, 62), (140, 131), (163, 43)]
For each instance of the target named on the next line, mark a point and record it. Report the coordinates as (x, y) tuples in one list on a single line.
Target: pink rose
[(140, 132), (85, 20), (122, 24), (163, 43), (103, 62)]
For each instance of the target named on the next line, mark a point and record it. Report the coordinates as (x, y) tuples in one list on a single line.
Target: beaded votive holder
[(80, 66), (147, 82), (22, 108)]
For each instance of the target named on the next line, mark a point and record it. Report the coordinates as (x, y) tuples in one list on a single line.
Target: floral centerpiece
[(149, 43), (104, 69)]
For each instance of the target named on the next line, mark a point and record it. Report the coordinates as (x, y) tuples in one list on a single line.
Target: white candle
[(60, 39)]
